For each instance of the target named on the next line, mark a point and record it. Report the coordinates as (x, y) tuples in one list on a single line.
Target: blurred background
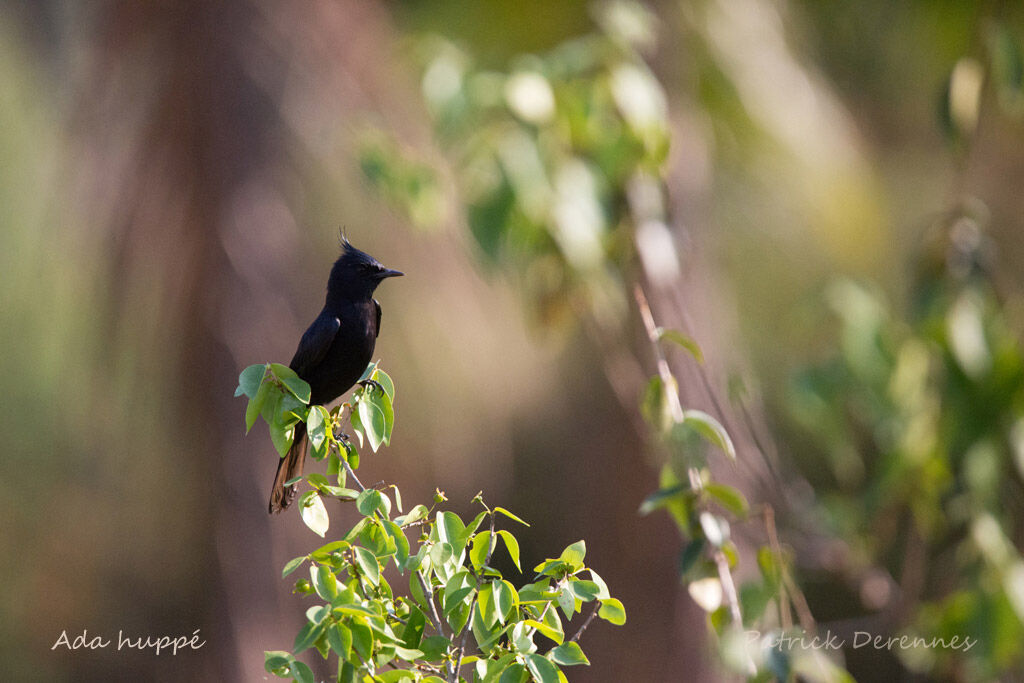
[(173, 179)]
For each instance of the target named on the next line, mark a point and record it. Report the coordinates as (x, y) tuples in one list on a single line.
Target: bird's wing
[(376, 305), (314, 343)]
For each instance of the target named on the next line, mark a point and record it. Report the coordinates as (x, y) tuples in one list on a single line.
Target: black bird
[(335, 350)]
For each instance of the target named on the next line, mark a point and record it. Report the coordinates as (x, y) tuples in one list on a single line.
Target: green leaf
[(434, 647), (553, 568), (661, 498), (481, 547), (302, 673), (505, 599), (541, 669), (710, 429), (293, 565), (574, 554), (316, 426), (545, 630), (340, 640), (510, 515), (690, 554), (654, 406), (282, 436), (298, 387), (683, 341), (440, 554), (362, 637), (416, 590), (367, 562), (368, 372), (358, 430), (485, 604), (277, 662), (384, 380), (313, 512), (412, 633), (401, 543), (568, 654), (250, 379), (515, 673), (416, 514), (290, 410), (307, 636), (324, 582), (512, 545), (567, 601), (612, 611), (324, 552), (368, 502), (451, 530), (256, 403), (458, 587), (383, 403), (372, 419), (729, 498), (602, 587), (584, 590)]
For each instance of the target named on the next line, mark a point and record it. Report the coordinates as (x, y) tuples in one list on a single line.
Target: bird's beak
[(387, 272)]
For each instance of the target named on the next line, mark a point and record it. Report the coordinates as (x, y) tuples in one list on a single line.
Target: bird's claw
[(371, 383)]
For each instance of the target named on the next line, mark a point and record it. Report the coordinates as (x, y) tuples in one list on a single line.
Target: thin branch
[(462, 642), (434, 617), (585, 624), (352, 473), (663, 369), (672, 395), (773, 541)]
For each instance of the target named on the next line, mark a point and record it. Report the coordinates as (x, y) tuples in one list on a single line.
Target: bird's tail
[(289, 468)]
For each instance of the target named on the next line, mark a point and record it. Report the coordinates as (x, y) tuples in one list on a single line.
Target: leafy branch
[(454, 592)]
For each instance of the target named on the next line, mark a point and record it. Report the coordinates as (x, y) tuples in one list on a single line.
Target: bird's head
[(356, 274)]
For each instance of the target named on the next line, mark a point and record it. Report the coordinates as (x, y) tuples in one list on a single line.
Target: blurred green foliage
[(546, 155), (918, 439)]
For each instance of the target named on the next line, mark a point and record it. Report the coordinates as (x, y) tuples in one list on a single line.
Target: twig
[(773, 540), (678, 415), (434, 617), (663, 369), (352, 473), (462, 642), (585, 624)]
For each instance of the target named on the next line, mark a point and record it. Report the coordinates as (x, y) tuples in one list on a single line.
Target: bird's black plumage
[(335, 349)]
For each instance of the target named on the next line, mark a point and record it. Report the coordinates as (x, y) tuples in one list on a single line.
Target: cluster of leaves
[(453, 589), (920, 418), (544, 156)]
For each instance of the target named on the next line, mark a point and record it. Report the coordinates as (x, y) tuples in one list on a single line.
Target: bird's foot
[(371, 383)]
